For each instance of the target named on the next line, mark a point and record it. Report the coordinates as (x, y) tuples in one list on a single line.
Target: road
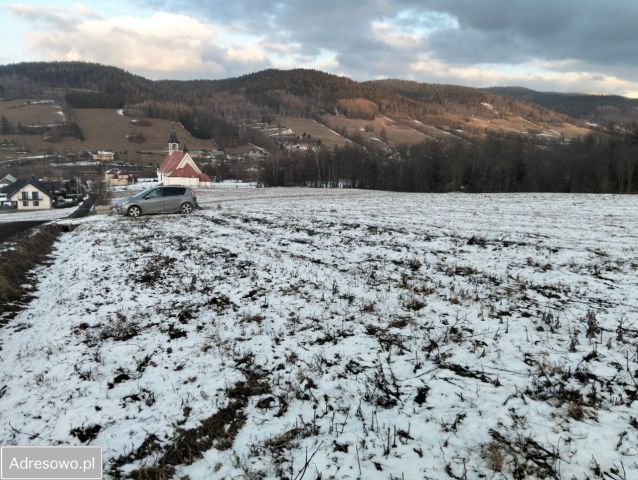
[(8, 230)]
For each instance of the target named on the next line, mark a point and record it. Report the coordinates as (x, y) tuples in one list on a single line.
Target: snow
[(81, 163), (332, 131), (391, 333), (135, 187), (36, 215)]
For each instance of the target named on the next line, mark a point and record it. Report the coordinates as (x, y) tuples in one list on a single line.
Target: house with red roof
[(178, 168)]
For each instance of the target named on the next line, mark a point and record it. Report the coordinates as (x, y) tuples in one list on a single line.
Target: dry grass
[(103, 129), (318, 132), (218, 431), (16, 264), (20, 111), (398, 132)]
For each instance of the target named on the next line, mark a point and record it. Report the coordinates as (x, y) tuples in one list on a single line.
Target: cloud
[(585, 44), (56, 17), (161, 45)]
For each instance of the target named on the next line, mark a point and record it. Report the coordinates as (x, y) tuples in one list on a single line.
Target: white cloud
[(160, 45), (533, 74), (423, 40), (85, 11), (394, 36)]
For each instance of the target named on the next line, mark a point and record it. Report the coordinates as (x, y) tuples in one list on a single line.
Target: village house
[(103, 156), (7, 180), (179, 168), (115, 177), (26, 195), (248, 151)]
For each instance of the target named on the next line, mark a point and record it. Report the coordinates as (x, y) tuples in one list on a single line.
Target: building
[(115, 177), (6, 180), (103, 156), (178, 168), (248, 151), (26, 195)]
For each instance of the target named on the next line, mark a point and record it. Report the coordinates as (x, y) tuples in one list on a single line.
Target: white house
[(178, 168), (114, 177), (6, 180), (26, 195), (103, 156)]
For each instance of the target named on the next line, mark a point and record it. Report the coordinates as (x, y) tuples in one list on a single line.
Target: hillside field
[(397, 132), (31, 112), (329, 138), (103, 129), (312, 333), (408, 131)]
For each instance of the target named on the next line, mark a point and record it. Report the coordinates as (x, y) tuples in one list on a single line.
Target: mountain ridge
[(209, 106)]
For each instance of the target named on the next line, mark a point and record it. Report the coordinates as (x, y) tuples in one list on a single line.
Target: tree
[(5, 126)]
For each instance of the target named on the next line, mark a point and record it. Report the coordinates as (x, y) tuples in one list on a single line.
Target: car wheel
[(186, 208), (134, 211)]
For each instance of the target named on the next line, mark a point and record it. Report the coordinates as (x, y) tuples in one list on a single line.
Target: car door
[(172, 198), (152, 201)]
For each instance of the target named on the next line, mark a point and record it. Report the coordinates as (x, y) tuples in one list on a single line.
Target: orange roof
[(171, 162), (205, 178), (187, 172)]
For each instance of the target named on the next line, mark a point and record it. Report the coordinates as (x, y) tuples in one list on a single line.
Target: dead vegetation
[(358, 351), (18, 263)]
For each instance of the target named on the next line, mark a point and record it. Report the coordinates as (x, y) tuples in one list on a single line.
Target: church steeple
[(173, 142)]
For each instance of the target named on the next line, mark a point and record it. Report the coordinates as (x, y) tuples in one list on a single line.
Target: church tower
[(173, 142)]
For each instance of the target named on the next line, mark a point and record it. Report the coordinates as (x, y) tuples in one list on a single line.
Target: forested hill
[(466, 100), (600, 109), (302, 93)]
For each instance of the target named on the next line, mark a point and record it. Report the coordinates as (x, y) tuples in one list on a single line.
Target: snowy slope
[(36, 215), (348, 334)]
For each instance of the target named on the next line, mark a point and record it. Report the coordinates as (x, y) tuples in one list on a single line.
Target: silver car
[(158, 200)]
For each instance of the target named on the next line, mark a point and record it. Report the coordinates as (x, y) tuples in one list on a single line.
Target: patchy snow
[(332, 131), (81, 163), (36, 215), (135, 187), (48, 125), (489, 106), (120, 111), (354, 334)]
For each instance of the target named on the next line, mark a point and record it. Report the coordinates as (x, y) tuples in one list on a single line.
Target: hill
[(407, 111), (598, 109)]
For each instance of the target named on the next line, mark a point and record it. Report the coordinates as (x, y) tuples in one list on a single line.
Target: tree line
[(496, 163)]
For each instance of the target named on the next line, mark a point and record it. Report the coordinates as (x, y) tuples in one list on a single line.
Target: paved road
[(8, 230)]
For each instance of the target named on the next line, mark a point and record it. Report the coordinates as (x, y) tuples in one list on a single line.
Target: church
[(178, 168)]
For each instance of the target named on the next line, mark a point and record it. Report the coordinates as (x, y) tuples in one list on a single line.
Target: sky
[(553, 45)]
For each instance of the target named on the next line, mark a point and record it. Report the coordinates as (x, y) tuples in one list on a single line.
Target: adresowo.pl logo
[(50, 463)]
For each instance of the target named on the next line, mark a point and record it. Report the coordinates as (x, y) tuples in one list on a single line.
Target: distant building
[(52, 178), (6, 180), (115, 177), (248, 151), (26, 195), (178, 168), (103, 156)]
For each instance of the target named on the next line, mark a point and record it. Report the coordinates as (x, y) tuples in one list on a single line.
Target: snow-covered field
[(36, 215), (338, 334)]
